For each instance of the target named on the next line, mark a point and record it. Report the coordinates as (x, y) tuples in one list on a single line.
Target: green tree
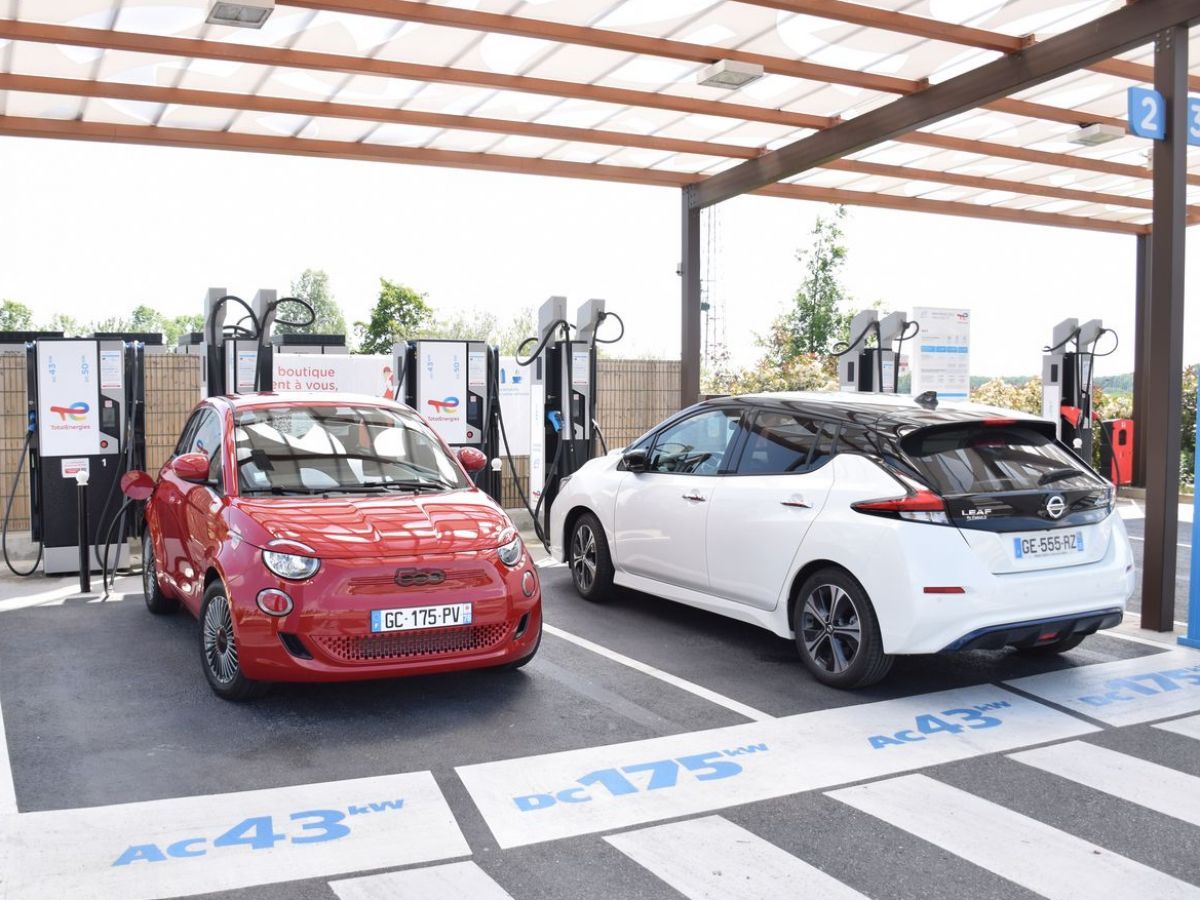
[(147, 319), (15, 316), (521, 326), (399, 312), (177, 326), (816, 320), (464, 325), (68, 325), (313, 287)]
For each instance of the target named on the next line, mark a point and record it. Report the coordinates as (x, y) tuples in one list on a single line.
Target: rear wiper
[(1058, 475)]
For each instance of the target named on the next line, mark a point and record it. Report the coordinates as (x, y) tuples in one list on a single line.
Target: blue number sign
[(1148, 113)]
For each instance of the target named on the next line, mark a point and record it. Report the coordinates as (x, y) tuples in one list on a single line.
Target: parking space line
[(8, 793), (712, 857), (454, 881), (1030, 853), (756, 715), (1189, 727), (1142, 540), (43, 597), (1158, 788)]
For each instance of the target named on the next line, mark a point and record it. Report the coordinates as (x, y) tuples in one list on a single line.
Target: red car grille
[(457, 579), (439, 642)]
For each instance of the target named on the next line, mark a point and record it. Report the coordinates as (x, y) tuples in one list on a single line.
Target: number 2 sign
[(1148, 114)]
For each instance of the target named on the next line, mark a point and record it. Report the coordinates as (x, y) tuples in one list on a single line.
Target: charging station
[(563, 400), (86, 407), (863, 368), (1067, 372)]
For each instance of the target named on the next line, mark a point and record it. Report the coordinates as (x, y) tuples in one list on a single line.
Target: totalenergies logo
[(76, 412), (441, 406)]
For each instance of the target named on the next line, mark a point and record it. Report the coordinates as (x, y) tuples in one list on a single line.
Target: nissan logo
[(1056, 506), (419, 577)]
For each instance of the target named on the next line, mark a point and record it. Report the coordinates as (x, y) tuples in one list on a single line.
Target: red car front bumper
[(327, 636)]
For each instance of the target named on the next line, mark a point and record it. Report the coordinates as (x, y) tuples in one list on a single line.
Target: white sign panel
[(327, 373), (68, 409), (515, 400), (442, 392), (941, 357), (112, 370), (72, 466)]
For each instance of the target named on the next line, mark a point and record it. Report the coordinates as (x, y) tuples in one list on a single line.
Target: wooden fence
[(631, 396)]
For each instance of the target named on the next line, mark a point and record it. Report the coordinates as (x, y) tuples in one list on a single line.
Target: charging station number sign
[(1147, 112)]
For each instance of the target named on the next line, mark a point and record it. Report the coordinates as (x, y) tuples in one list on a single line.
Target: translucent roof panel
[(619, 90)]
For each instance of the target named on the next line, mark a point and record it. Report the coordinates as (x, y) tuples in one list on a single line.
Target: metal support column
[(1163, 377), (1141, 356), (689, 345)]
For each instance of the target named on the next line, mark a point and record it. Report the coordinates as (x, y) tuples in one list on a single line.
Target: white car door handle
[(695, 497), (796, 502)]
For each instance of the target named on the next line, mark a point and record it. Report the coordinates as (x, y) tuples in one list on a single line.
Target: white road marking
[(40, 598), (1189, 727), (1124, 692), (549, 562), (1142, 540), (683, 684), (573, 792), (1159, 788), (199, 845), (1030, 853), (714, 859), (8, 793), (453, 881), (1137, 639)]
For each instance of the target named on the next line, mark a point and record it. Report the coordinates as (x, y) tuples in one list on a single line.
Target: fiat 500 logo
[(419, 577), (1056, 506)]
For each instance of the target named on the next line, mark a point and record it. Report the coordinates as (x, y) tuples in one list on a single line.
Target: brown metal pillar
[(1141, 356), (689, 372), (1163, 378)]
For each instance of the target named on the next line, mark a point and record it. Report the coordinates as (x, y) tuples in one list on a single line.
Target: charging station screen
[(68, 398)]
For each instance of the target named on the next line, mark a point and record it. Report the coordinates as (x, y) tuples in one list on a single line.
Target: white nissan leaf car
[(862, 526)]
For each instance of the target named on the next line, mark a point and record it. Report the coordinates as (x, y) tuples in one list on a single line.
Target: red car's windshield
[(291, 449)]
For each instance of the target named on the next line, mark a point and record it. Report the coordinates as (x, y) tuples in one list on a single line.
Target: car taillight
[(919, 506)]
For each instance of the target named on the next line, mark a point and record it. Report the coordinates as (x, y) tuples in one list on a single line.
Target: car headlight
[(511, 553), (291, 566)]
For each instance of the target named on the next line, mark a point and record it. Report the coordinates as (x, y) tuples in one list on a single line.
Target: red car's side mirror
[(137, 485), (472, 460), (191, 467)]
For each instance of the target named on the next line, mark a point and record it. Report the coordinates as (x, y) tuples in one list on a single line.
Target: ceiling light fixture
[(1096, 134), (729, 74), (240, 13)]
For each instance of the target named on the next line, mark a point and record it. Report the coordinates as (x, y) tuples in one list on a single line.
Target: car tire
[(219, 650), (837, 632), (589, 560), (1062, 645), (156, 601), (528, 658)]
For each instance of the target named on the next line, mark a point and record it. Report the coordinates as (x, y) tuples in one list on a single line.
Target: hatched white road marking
[(1030, 853), (1124, 692), (1158, 788), (714, 859), (557, 795), (674, 680), (1189, 727), (199, 845), (453, 881)]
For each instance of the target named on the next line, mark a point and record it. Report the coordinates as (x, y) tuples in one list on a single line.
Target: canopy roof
[(599, 89)]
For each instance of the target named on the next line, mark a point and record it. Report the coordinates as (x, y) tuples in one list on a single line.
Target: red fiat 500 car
[(332, 539)]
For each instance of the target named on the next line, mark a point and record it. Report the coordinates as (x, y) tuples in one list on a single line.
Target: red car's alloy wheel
[(220, 649)]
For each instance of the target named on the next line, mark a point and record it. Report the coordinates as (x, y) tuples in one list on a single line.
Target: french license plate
[(1038, 546), (443, 616)]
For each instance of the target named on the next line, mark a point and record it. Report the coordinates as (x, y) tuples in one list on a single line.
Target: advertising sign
[(68, 398), (442, 393), (941, 358), (327, 373), (515, 399), (112, 370)]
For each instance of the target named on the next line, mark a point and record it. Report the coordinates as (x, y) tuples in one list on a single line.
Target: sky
[(94, 229)]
